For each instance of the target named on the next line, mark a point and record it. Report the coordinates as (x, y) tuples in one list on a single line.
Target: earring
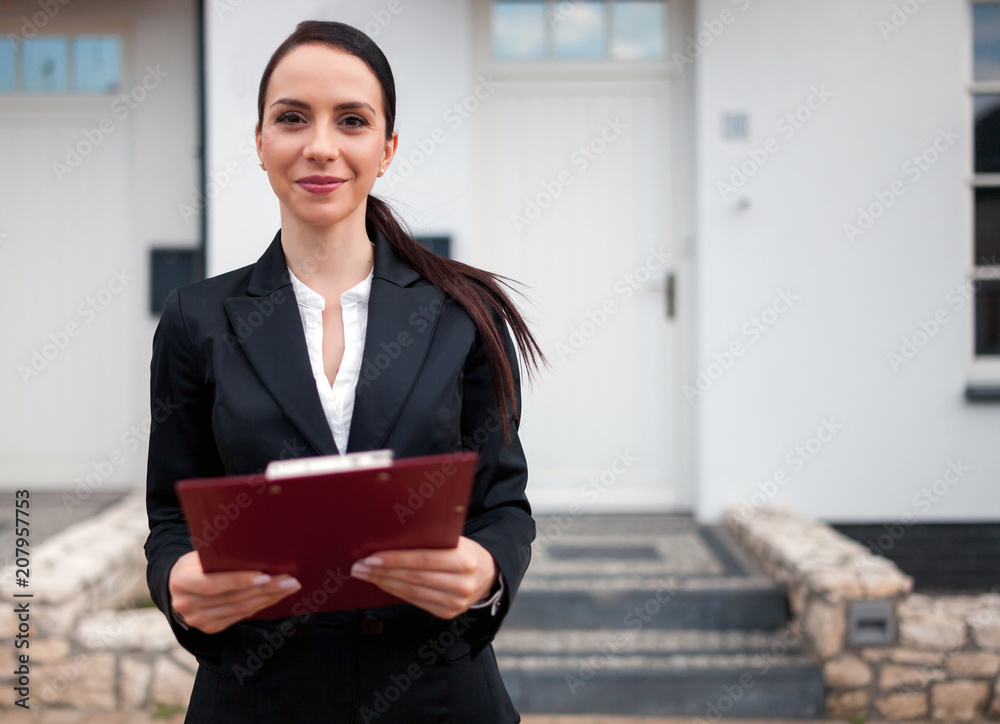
[(262, 166)]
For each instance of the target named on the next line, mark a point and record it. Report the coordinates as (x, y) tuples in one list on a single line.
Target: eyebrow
[(345, 106)]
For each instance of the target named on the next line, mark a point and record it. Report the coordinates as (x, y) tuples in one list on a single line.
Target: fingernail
[(359, 570), (289, 583), (262, 578), (372, 561)]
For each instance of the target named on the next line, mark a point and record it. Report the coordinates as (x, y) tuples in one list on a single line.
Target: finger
[(236, 581), (458, 584), (447, 559), (215, 617), (436, 601), (188, 603), (254, 604), (196, 582), (188, 571), (277, 589)]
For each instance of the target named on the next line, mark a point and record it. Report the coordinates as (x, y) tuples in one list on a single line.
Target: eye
[(355, 122), (289, 118)]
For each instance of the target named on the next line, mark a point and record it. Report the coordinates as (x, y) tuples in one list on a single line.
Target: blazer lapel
[(395, 345), (269, 329)]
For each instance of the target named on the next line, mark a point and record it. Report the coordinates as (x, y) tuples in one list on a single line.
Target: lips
[(320, 184), (321, 180)]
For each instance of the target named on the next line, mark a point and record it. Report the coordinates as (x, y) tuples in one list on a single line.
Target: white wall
[(826, 357), (426, 44), (91, 404)]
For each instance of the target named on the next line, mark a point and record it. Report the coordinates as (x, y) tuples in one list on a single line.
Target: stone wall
[(944, 658), (94, 639)]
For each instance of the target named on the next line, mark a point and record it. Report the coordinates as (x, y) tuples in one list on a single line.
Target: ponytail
[(479, 292)]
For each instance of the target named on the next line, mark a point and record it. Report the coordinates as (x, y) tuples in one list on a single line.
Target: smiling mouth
[(320, 186)]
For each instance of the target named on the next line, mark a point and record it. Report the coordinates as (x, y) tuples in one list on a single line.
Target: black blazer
[(232, 389)]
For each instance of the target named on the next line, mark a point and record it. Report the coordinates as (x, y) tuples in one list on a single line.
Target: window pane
[(986, 41), (988, 318), (579, 32), (44, 64), (518, 30), (638, 29), (6, 66), (987, 141), (97, 63), (987, 227)]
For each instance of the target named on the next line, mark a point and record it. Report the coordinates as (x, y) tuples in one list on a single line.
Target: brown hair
[(480, 293)]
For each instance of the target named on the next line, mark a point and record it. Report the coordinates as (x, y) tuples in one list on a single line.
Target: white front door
[(73, 297), (573, 199)]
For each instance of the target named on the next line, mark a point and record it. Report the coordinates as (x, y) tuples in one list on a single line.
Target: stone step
[(666, 572), (637, 671), (651, 615), (715, 604), (638, 641)]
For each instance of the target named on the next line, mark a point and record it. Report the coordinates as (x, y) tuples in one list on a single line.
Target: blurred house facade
[(760, 239)]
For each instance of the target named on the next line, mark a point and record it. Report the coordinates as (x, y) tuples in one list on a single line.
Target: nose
[(322, 143)]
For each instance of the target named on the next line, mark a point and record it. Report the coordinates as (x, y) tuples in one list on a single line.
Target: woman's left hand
[(444, 582)]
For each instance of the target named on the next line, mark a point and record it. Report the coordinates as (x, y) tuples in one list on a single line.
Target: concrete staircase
[(651, 615)]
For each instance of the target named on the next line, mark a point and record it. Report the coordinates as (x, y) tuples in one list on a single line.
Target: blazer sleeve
[(181, 445), (499, 516)]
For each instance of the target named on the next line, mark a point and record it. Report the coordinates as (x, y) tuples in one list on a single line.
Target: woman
[(346, 335)]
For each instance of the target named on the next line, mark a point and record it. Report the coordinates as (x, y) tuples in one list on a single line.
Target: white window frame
[(982, 368), (70, 27), (563, 69)]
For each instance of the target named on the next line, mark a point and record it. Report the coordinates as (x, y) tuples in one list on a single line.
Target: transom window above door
[(615, 30), (61, 64)]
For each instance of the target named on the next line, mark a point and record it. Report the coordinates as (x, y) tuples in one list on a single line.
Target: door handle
[(670, 285)]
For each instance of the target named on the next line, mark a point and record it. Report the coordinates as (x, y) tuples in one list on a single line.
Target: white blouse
[(338, 400)]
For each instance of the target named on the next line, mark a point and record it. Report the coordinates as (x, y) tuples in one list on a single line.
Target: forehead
[(319, 72)]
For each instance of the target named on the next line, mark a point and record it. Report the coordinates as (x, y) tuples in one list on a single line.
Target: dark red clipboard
[(315, 526)]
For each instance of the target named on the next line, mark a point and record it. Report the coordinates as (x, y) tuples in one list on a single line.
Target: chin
[(324, 217)]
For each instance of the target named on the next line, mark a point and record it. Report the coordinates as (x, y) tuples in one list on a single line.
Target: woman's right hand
[(211, 602)]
